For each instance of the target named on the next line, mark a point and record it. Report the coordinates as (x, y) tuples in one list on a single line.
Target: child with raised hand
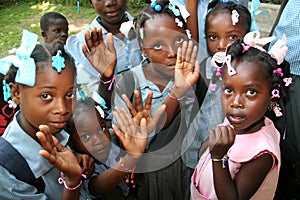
[(44, 88), (224, 23), (54, 26), (111, 14), (90, 135), (241, 158)]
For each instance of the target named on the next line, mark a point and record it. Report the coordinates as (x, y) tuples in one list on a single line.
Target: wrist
[(175, 95)]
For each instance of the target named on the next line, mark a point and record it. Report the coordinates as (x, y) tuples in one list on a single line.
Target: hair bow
[(219, 59), (254, 11), (252, 39), (26, 65), (279, 50)]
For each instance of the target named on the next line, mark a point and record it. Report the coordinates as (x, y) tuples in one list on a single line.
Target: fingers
[(138, 101), (46, 139), (157, 119), (129, 105), (148, 103), (110, 42), (123, 119), (143, 128)]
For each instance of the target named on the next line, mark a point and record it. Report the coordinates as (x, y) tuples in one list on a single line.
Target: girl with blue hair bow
[(44, 88)]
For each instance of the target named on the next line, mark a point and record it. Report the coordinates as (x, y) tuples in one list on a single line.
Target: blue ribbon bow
[(254, 11)]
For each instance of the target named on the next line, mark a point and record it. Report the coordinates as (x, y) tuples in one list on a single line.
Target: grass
[(26, 15)]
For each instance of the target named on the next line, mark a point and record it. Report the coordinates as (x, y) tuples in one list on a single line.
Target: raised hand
[(132, 137), (59, 156), (102, 57), (187, 69), (139, 111), (220, 140)]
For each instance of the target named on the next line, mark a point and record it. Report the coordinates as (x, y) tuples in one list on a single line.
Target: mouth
[(236, 119), (112, 13), (58, 125)]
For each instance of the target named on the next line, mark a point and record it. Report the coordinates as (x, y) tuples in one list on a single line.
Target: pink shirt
[(245, 148)]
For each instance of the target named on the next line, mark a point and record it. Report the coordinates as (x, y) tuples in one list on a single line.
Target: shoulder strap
[(126, 84), (13, 161)]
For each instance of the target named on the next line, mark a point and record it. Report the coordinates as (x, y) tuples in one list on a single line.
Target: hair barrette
[(6, 91), (252, 39), (234, 17), (58, 62), (174, 9), (155, 6)]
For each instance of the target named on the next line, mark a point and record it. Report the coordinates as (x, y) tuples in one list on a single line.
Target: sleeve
[(12, 188)]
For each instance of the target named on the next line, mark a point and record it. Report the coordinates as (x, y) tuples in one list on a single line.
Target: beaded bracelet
[(174, 98), (62, 179), (111, 81), (224, 160), (130, 171)]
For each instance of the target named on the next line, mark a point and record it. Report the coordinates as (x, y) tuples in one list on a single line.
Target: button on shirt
[(11, 188)]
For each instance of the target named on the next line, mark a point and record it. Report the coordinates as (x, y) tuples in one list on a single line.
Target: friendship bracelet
[(124, 167), (111, 81), (62, 179), (224, 160), (174, 98), (132, 182)]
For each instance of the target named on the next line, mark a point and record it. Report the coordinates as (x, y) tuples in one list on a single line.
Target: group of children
[(155, 125)]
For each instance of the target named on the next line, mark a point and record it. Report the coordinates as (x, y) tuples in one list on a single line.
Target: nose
[(110, 2), (61, 107), (172, 51), (222, 44), (237, 102)]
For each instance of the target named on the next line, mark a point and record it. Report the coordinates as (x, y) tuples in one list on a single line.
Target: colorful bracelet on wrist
[(110, 82), (62, 180), (224, 160), (129, 179), (173, 97)]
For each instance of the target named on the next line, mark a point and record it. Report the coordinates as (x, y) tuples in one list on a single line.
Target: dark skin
[(241, 94)]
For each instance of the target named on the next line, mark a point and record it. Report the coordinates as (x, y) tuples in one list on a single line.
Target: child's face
[(160, 42), (93, 135), (48, 102), (220, 32), (245, 95), (110, 11), (58, 29)]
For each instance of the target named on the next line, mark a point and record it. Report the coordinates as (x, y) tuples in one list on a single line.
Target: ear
[(44, 35), (15, 92)]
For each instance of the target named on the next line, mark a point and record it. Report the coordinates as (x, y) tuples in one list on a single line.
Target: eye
[(179, 40), (251, 92), (101, 129), (212, 37), (85, 137), (46, 97), (227, 91), (57, 31), (157, 46), (70, 95), (232, 37)]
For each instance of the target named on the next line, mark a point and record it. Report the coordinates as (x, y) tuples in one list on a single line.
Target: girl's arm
[(192, 20), (187, 72), (250, 176), (103, 58)]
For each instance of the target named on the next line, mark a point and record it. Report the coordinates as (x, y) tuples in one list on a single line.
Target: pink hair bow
[(279, 50), (219, 59), (252, 39)]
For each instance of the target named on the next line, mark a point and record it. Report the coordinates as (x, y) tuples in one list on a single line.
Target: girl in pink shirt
[(241, 158)]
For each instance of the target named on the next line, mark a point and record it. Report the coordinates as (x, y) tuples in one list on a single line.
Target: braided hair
[(148, 13), (266, 62)]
